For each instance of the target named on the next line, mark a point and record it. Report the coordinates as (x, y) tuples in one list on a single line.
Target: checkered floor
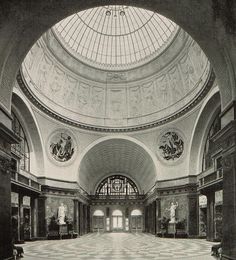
[(120, 246)]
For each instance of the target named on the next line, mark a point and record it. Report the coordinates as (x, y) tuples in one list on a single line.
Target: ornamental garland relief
[(171, 146), (124, 100), (62, 146)]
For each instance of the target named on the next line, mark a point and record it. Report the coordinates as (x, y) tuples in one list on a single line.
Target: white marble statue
[(172, 210), (61, 214)]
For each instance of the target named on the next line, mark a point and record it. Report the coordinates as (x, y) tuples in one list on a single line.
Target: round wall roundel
[(62, 146), (171, 146)]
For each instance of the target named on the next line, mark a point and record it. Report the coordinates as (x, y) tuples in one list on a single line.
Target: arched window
[(117, 185), (98, 213), (21, 150), (136, 212), (117, 212), (215, 127)]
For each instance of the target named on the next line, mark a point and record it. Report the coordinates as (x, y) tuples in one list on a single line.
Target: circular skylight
[(115, 37)]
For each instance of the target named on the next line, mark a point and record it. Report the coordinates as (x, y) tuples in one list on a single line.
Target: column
[(158, 214), (5, 209), (146, 219), (78, 219), (193, 215), (81, 219), (210, 215), (21, 215), (34, 216), (88, 218), (227, 139), (85, 219), (6, 139), (229, 206), (150, 218), (76, 216), (42, 224), (154, 217)]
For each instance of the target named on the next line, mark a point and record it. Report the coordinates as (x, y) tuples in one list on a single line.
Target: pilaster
[(6, 139), (227, 140)]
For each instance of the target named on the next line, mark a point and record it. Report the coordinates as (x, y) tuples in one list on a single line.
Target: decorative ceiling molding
[(208, 84)]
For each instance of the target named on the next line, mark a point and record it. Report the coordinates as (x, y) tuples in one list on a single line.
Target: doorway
[(98, 221), (136, 220), (117, 220)]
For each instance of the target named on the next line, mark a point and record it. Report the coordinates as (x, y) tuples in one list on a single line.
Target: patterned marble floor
[(119, 246)]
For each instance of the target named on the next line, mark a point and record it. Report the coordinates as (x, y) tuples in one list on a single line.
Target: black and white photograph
[(118, 129)]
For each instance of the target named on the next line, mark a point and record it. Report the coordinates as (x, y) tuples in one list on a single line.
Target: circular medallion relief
[(61, 146), (171, 146)]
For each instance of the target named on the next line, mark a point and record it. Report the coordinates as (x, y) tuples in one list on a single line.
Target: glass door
[(117, 220)]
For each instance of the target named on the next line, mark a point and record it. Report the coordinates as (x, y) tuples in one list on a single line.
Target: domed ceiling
[(115, 37), (68, 75)]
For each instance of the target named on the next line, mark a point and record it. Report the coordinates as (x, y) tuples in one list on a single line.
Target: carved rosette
[(170, 146), (61, 146)]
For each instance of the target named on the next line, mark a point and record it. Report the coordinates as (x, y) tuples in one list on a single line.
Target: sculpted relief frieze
[(61, 89)]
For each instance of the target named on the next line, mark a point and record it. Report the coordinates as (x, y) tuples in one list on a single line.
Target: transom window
[(117, 185), (21, 150)]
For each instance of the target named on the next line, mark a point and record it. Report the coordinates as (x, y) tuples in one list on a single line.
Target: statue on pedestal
[(61, 214), (172, 210)]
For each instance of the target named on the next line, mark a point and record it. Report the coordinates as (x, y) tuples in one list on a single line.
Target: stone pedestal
[(172, 228)]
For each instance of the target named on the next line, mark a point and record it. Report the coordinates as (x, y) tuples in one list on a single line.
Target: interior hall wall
[(48, 208), (150, 138), (187, 210)]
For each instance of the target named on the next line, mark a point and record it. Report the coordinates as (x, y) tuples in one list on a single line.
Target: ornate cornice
[(8, 135), (160, 122), (188, 189), (61, 192)]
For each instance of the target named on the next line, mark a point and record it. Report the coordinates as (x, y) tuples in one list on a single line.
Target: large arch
[(206, 116), (117, 155), (32, 132), (22, 23)]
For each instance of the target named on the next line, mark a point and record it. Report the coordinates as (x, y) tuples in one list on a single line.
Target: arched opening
[(118, 155), (136, 212), (98, 213), (98, 221), (23, 111), (210, 108), (136, 220), (117, 220), (22, 149), (117, 185)]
